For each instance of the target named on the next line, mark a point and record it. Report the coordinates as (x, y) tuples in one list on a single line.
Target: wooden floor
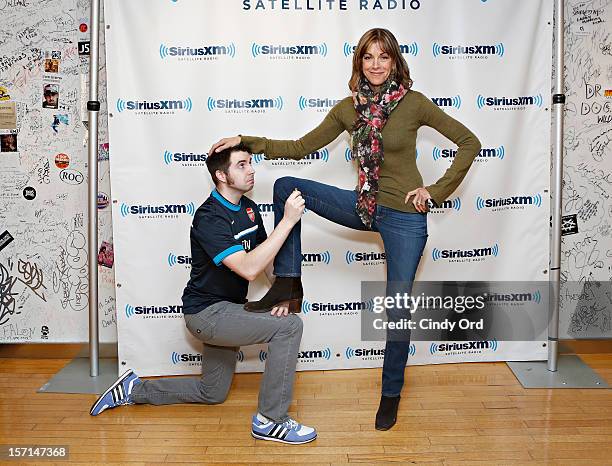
[(456, 414)]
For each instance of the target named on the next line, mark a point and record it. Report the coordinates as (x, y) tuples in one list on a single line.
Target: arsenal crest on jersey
[(251, 214)]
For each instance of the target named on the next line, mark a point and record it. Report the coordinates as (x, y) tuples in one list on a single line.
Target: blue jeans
[(403, 233)]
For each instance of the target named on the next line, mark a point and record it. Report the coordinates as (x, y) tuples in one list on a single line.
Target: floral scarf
[(373, 110)]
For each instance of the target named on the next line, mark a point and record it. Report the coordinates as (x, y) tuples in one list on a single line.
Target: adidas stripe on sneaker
[(117, 394), (289, 431)]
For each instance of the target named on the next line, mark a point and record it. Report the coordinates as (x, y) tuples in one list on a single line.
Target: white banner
[(182, 74)]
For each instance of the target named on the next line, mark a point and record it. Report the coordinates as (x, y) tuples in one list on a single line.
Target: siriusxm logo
[(504, 298), (321, 105), (368, 258), (316, 354), (406, 49), (453, 101), (173, 260), (201, 52), (508, 202), (467, 346), (348, 155), (347, 307), (164, 105), (316, 258), (166, 209), (265, 208), (371, 353), (509, 103), (485, 153), (153, 311), (462, 255), (321, 154), (190, 358), (449, 204), (289, 51), (183, 158), (468, 51), (244, 106)]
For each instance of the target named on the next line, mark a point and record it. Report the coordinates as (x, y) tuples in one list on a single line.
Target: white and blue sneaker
[(117, 394), (289, 431)]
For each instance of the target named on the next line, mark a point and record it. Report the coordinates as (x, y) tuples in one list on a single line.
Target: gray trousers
[(224, 327)]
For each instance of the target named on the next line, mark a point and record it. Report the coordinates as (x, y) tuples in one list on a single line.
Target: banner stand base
[(572, 373), (75, 378)]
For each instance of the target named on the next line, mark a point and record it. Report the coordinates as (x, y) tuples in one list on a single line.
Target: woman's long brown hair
[(388, 43)]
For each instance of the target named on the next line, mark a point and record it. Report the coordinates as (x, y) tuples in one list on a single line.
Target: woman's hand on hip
[(224, 143), (421, 196)]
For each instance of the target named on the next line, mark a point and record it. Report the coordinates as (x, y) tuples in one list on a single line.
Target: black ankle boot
[(283, 289), (387, 412)]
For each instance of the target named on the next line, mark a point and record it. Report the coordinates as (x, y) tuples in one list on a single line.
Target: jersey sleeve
[(214, 234)]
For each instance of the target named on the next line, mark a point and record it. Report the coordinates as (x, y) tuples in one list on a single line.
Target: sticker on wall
[(62, 161), (29, 193), (50, 96), (569, 224), (8, 115), (71, 176), (5, 239), (8, 143), (106, 256), (103, 200), (84, 48), (51, 65), (103, 151), (58, 120), (4, 94)]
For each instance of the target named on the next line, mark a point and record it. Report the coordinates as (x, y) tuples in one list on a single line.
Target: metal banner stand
[(567, 371), (73, 378)]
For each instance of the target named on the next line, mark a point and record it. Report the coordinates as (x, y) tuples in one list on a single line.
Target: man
[(50, 96), (229, 248)]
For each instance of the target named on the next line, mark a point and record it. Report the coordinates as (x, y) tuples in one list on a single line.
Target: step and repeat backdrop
[(182, 74)]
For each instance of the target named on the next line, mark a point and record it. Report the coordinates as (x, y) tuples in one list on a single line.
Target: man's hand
[(421, 195), (281, 310), (224, 143), (294, 207)]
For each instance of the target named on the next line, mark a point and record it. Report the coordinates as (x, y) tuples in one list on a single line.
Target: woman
[(390, 197)]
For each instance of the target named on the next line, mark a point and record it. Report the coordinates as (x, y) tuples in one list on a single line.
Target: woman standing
[(382, 116)]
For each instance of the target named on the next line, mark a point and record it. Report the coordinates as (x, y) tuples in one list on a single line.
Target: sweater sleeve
[(329, 129), (468, 148)]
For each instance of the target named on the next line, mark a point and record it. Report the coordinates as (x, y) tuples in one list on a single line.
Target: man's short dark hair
[(221, 160)]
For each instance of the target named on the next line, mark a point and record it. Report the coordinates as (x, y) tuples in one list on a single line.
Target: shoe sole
[(120, 379), (264, 437), (295, 307), (383, 428)]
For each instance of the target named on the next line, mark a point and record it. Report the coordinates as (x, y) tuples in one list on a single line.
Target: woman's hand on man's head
[(224, 143)]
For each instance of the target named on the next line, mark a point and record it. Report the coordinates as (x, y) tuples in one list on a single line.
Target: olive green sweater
[(399, 173)]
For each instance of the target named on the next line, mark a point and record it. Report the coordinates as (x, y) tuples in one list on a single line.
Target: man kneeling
[(229, 248)]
